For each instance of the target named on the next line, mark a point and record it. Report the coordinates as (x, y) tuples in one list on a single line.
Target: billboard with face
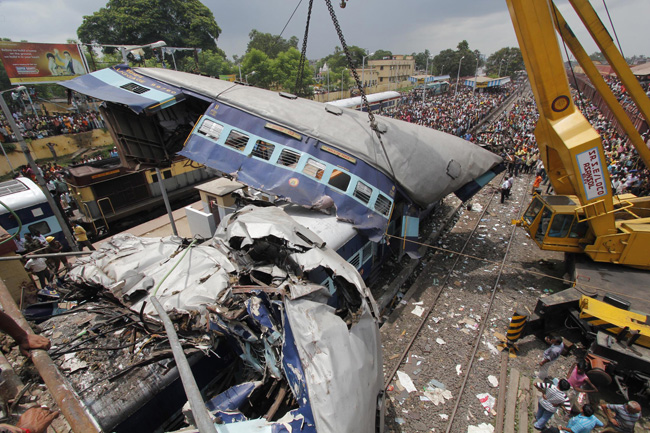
[(34, 63)]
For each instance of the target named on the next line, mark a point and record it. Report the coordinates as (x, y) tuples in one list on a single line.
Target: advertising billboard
[(33, 63)]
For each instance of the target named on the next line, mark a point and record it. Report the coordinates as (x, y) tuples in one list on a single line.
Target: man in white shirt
[(38, 266), (505, 189)]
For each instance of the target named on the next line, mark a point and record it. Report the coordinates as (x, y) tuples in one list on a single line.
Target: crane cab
[(553, 223)]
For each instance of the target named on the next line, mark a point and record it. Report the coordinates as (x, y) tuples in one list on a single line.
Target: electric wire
[(289, 20), (613, 29), (513, 267), (566, 52)]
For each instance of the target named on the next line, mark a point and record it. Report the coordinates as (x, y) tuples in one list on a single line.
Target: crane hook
[(343, 4)]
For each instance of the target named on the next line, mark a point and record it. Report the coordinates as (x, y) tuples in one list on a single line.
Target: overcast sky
[(400, 26)]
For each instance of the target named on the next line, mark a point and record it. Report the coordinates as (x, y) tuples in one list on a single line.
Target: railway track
[(443, 331)]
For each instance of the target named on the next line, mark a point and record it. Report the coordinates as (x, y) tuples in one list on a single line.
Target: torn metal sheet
[(307, 359), (343, 365)]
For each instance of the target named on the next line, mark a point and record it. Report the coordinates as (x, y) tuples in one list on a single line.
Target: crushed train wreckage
[(277, 322), (274, 351)]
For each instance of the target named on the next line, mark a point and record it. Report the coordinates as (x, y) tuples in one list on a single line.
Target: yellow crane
[(585, 216)]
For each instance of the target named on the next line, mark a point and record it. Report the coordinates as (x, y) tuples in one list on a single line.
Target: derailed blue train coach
[(338, 181)]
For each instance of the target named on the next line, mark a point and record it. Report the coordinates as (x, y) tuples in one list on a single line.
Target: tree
[(212, 63), (421, 62), (269, 44), (338, 59), (380, 54), (444, 62), (448, 61), (505, 61), (258, 62), (180, 23), (285, 72), (598, 56)]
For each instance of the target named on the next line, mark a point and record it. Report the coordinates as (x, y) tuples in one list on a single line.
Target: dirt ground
[(440, 354)]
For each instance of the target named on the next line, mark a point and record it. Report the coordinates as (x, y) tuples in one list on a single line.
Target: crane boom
[(584, 216)]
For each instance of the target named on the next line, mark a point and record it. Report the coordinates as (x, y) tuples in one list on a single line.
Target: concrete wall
[(64, 145), (13, 275)]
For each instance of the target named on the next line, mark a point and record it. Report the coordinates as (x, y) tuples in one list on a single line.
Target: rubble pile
[(268, 345)]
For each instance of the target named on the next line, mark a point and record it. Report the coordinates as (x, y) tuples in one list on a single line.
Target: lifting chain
[(371, 117), (373, 123), (303, 54)]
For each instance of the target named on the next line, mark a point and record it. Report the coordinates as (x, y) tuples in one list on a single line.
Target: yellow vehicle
[(109, 194), (585, 216)]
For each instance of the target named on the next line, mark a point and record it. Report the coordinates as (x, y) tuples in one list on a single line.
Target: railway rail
[(462, 294)]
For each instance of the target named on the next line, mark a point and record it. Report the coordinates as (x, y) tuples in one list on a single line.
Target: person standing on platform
[(536, 184)]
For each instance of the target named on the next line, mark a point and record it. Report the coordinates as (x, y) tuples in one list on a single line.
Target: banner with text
[(33, 63)]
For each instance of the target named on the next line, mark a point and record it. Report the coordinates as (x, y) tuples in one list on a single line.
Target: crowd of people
[(623, 96), (454, 112), (512, 134), (35, 127), (570, 396)]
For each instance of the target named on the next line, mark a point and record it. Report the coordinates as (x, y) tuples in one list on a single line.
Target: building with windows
[(392, 72)]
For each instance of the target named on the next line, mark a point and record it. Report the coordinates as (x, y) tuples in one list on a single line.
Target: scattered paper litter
[(418, 311), (494, 382), (481, 428), (406, 381), (436, 384), (458, 370), (437, 395), (487, 401), (493, 349), (440, 341)]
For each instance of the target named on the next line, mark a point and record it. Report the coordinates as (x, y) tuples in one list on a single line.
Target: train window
[(314, 168), (339, 180), (366, 252), (288, 158), (41, 227), (355, 260), (211, 129), (262, 150), (362, 192), (165, 173), (236, 140), (382, 205)]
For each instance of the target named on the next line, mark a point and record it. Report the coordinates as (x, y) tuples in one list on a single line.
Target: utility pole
[(460, 62)]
